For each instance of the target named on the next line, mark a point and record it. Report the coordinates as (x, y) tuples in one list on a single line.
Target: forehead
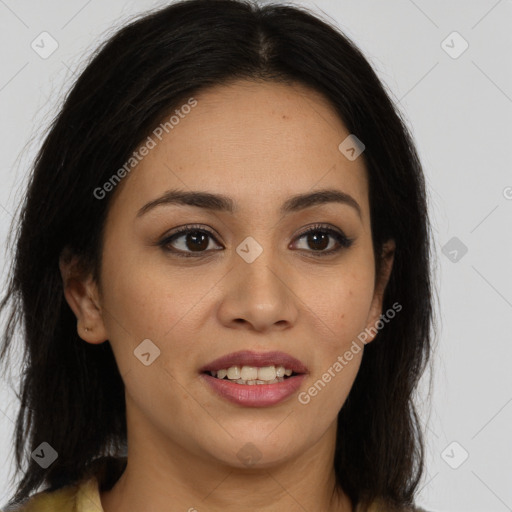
[(258, 142)]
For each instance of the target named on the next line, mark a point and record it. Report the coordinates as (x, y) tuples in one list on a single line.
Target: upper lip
[(259, 359)]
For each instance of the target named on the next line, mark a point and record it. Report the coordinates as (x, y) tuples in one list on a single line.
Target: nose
[(259, 296)]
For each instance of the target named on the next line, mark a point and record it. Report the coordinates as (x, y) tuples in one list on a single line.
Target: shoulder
[(61, 500), (78, 497), (81, 496)]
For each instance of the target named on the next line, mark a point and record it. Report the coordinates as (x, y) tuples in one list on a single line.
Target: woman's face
[(247, 279)]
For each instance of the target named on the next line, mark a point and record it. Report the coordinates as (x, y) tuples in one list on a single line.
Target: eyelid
[(192, 227)]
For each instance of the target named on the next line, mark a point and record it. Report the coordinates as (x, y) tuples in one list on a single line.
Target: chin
[(258, 451)]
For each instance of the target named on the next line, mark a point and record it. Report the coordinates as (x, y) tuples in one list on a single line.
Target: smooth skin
[(259, 143)]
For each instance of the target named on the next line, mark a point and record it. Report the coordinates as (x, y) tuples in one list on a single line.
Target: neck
[(155, 477)]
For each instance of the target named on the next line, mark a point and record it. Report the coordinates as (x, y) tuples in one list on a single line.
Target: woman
[(223, 267)]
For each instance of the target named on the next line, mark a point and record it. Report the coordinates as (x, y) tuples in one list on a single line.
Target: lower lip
[(257, 395)]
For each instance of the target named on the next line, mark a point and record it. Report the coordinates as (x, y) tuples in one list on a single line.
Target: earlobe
[(381, 281), (81, 294)]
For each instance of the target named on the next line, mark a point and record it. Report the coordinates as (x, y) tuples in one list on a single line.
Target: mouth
[(252, 379)]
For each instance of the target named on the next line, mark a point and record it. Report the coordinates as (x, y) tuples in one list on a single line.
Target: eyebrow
[(222, 203)]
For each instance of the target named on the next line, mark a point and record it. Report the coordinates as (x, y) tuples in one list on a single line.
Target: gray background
[(459, 110)]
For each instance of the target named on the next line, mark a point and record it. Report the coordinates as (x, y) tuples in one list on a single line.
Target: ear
[(82, 295), (381, 281)]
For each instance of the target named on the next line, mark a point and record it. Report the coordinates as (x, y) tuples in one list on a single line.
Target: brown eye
[(189, 240), (197, 241), (318, 241), (324, 240)]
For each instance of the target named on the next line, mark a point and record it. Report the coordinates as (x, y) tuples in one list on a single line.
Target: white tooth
[(233, 372), (240, 381), (213, 373), (221, 374), (261, 382), (280, 379), (249, 373), (272, 381), (267, 373), (252, 382), (280, 371), (287, 372)]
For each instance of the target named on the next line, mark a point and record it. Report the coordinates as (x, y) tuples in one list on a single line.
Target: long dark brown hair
[(71, 392)]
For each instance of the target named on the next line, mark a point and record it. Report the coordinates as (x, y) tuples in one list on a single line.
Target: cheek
[(340, 305), (143, 301), (341, 308)]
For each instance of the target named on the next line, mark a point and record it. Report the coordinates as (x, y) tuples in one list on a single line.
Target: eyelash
[(343, 241)]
